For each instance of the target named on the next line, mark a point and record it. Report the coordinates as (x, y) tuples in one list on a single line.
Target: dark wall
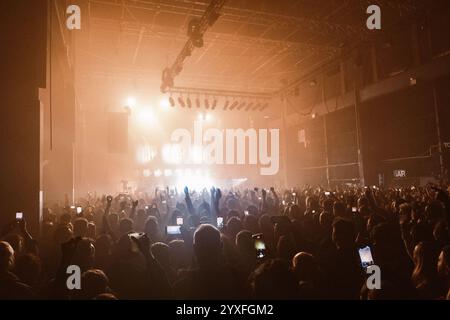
[(22, 65)]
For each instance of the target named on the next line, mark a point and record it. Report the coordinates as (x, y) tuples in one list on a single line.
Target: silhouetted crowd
[(310, 238)]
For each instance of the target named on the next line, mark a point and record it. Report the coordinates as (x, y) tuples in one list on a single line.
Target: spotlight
[(264, 106), (181, 101), (257, 106), (241, 105), (189, 102), (167, 172), (313, 116), (172, 101), (206, 103), (197, 102), (249, 106), (164, 103), (234, 104), (226, 104), (131, 102), (157, 173)]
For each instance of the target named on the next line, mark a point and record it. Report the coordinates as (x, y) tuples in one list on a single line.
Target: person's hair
[(343, 232), (305, 267), (28, 268), (16, 241), (338, 209), (6, 256), (84, 254), (161, 253), (425, 263), (244, 241), (207, 244), (273, 280), (125, 225), (94, 282), (105, 296), (80, 227)]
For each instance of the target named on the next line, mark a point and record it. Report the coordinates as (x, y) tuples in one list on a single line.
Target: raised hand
[(143, 243), (186, 191)]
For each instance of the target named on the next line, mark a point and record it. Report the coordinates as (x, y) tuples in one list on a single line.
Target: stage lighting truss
[(229, 100), (196, 29)]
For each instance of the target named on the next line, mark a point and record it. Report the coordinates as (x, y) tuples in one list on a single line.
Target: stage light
[(146, 154), (197, 154), (181, 101), (208, 117), (131, 102), (146, 173), (234, 104), (189, 102), (164, 103), (201, 116), (197, 102), (313, 116), (243, 103), (172, 101), (206, 103), (172, 153), (157, 173), (226, 104), (145, 116), (167, 173), (257, 106), (264, 106)]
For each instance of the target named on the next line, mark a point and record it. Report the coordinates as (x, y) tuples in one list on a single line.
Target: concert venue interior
[(326, 117)]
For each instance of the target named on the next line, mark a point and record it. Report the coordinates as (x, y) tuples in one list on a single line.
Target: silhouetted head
[(285, 248), (92, 231), (444, 263), (16, 241), (343, 233), (84, 254), (62, 234), (161, 252), (125, 226), (250, 222), (234, 225), (151, 226), (28, 269), (80, 227), (244, 242), (65, 218), (273, 280), (425, 258), (304, 267), (207, 245), (94, 282), (339, 209), (326, 220), (178, 254), (6, 256), (105, 296)]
